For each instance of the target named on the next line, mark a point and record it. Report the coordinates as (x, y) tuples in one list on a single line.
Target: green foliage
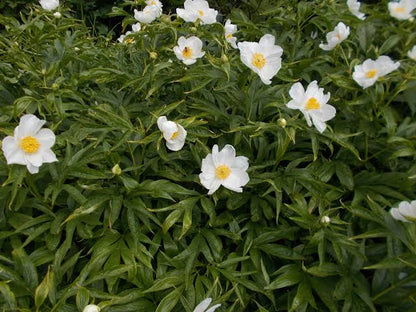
[(149, 238)]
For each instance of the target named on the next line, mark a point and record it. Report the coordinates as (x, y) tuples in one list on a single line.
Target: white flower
[(148, 15), (202, 307), (335, 37), (312, 103), (406, 211), (57, 15), (30, 145), (264, 57), (354, 7), (325, 220), (194, 9), (49, 5), (402, 10), (412, 53), (367, 73), (173, 133), (156, 3), (224, 168), (125, 38), (91, 308), (230, 29), (189, 49)]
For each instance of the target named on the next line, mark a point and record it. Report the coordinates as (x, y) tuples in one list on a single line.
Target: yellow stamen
[(29, 144), (152, 3), (129, 40), (174, 135), (399, 10), (258, 60), (201, 13), (229, 36), (312, 103), (371, 73), (187, 52), (222, 172)]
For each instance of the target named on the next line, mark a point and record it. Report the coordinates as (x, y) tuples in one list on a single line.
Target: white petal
[(12, 151), (397, 215), (32, 169), (297, 92), (267, 40), (175, 145), (213, 308), (225, 156), (29, 125), (48, 156), (203, 305), (46, 138)]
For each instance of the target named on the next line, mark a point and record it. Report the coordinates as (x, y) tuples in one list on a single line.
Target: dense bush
[(122, 222)]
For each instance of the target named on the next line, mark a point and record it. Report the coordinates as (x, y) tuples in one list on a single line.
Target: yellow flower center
[(258, 60), (152, 3), (229, 36), (187, 52), (312, 103), (399, 10), (174, 135), (222, 172), (201, 13), (29, 144), (371, 73), (338, 36), (129, 40)]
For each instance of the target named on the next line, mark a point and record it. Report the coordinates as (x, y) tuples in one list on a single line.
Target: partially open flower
[(91, 308), (402, 10), (173, 133), (189, 49), (406, 211), (49, 5), (197, 9), (224, 168), (335, 37), (126, 38), (148, 15), (30, 145), (370, 71), (264, 57), (312, 103), (412, 53), (230, 29), (354, 7), (202, 307)]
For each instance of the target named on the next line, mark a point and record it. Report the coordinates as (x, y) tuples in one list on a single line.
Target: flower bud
[(91, 308), (153, 55), (57, 15), (116, 170), (325, 220), (282, 122)]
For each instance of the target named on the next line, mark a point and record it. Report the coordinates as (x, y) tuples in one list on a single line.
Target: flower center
[(229, 36), (29, 144), (152, 3), (371, 73), (129, 40), (187, 52), (258, 60), (399, 10), (312, 103), (174, 135), (222, 172), (338, 36), (201, 13)]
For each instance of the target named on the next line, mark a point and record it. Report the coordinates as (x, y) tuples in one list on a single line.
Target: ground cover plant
[(262, 155)]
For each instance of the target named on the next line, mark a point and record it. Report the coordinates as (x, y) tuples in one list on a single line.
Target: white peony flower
[(49, 5), (312, 103), (202, 307), (197, 9), (230, 29), (173, 133), (125, 38), (156, 3), (402, 10), (189, 49), (354, 7), (406, 211), (91, 308), (335, 37), (224, 168), (148, 15), (412, 53), (30, 145), (367, 73), (264, 57)]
